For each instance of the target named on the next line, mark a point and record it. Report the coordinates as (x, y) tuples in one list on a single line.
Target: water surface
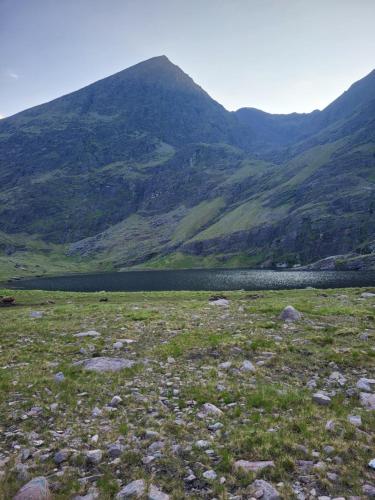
[(200, 279)]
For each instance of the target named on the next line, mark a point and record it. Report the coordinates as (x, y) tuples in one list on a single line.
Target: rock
[(94, 457), (202, 444), (156, 446), (90, 333), (115, 401), (156, 494), (369, 490), (115, 450), (219, 302), (96, 412), (210, 475), (367, 400), (216, 426), (321, 399), (210, 409), (93, 494), (225, 366), (372, 463), (338, 378), (367, 295), (118, 345), (59, 377), (247, 366), (329, 450), (246, 466), (36, 489), (264, 490), (290, 314), (36, 314), (135, 489), (22, 472), (355, 420), (105, 364), (61, 456), (366, 384), (330, 425)]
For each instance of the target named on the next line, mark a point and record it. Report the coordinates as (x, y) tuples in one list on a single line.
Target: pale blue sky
[(276, 55)]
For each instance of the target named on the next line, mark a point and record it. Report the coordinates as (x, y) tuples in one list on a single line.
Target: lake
[(199, 279)]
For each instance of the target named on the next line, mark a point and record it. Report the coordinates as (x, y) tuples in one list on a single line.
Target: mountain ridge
[(202, 183)]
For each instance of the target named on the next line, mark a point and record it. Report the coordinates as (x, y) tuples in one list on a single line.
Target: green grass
[(267, 414)]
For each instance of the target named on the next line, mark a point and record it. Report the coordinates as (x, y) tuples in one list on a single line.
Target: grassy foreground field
[(159, 431)]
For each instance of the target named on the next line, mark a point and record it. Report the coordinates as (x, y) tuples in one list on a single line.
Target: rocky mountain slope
[(144, 168)]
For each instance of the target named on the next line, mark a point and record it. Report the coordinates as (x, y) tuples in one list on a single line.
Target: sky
[(280, 56)]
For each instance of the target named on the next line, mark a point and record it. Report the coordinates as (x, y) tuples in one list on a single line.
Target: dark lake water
[(200, 279)]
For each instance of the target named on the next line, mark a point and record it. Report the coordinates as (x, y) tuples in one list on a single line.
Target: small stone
[(247, 366), (96, 412), (216, 426), (211, 409), (355, 420), (321, 399), (36, 314), (219, 302), (264, 490), (115, 450), (226, 365), (367, 295), (118, 345), (135, 489), (190, 478), (90, 333), (171, 360), (330, 425), (115, 401), (156, 446), (94, 457), (372, 463), (105, 364), (367, 400), (369, 490), (290, 314), (338, 378), (329, 450), (202, 444), (61, 456), (156, 494), (366, 384), (59, 377), (36, 489), (22, 472), (210, 475), (247, 466)]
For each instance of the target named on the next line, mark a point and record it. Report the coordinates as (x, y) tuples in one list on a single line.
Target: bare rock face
[(290, 314), (36, 489), (105, 364), (263, 490)]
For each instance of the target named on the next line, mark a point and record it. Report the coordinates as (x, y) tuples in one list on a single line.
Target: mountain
[(145, 168)]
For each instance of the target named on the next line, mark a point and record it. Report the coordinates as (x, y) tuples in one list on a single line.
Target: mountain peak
[(160, 71)]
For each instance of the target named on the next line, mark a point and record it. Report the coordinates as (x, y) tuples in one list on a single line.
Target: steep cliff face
[(144, 167)]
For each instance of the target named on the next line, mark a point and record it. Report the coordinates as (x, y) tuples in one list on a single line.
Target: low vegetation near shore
[(212, 397)]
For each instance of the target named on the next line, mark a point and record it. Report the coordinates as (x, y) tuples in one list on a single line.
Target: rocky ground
[(186, 395)]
